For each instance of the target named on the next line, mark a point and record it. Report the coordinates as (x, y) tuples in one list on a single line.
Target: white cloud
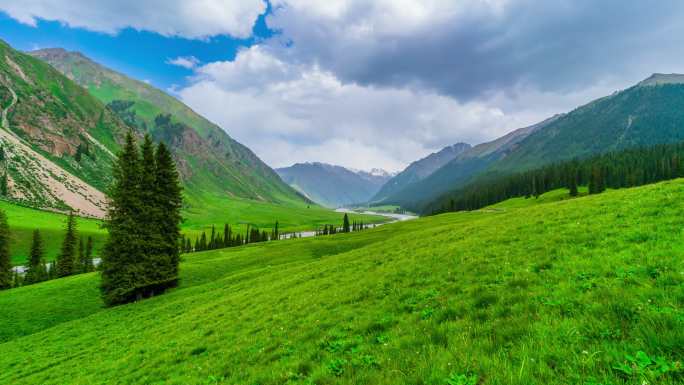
[(188, 62), (190, 19), (291, 113)]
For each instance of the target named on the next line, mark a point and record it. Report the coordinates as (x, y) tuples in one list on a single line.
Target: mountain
[(56, 140), (420, 170), (333, 186), (647, 113), (460, 169), (213, 166)]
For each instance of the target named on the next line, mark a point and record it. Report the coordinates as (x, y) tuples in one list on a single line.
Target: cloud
[(187, 62), (469, 49), (189, 19), (291, 113)]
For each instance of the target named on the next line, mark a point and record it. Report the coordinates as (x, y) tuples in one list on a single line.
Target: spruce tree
[(345, 224), (121, 270), (66, 260), (149, 218), (5, 262), (227, 236), (88, 265), (169, 202), (36, 264)]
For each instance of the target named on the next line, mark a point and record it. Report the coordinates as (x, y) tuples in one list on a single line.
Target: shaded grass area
[(583, 291)]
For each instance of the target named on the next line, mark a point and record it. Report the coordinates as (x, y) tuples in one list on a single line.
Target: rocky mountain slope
[(333, 186), (57, 141), (213, 166)]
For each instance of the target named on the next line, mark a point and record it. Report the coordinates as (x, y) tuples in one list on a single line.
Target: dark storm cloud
[(553, 46)]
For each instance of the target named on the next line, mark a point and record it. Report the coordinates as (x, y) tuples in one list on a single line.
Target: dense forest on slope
[(617, 169)]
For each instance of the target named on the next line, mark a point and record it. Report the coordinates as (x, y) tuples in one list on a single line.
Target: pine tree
[(121, 269), (80, 260), (227, 236), (212, 238), (5, 262), (169, 203), (151, 259), (4, 185), (88, 265), (36, 264), (66, 260), (203, 242), (345, 224)]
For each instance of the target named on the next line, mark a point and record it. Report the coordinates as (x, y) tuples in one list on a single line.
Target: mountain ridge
[(332, 185), (212, 164)]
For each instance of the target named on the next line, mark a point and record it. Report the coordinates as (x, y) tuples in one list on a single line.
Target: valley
[(411, 300), (359, 192)]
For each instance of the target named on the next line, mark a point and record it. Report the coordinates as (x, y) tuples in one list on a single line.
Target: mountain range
[(647, 113), (64, 117), (334, 186)]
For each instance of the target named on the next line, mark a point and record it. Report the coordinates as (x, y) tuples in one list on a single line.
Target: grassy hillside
[(581, 291), (237, 212), (208, 159), (649, 113), (24, 220)]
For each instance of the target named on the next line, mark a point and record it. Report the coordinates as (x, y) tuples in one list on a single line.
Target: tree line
[(217, 240), (618, 169), (75, 257), (347, 227)]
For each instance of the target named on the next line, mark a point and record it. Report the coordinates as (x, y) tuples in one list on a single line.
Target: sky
[(365, 83)]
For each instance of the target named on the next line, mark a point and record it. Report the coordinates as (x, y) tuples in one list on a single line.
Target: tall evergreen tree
[(37, 272), (5, 262), (88, 265), (121, 270), (66, 260), (169, 196), (345, 224)]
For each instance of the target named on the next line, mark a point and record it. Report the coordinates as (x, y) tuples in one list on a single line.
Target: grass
[(23, 220), (237, 212), (582, 291)]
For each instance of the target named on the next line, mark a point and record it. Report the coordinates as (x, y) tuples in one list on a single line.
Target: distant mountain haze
[(333, 186), (420, 170)]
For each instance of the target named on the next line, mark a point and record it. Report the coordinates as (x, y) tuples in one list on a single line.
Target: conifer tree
[(345, 224), (37, 271), (88, 265), (203, 242), (227, 236), (66, 260), (4, 189), (80, 260), (5, 262), (212, 239), (121, 270), (169, 202)]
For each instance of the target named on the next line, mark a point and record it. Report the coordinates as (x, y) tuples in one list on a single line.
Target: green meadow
[(237, 212), (24, 220), (545, 291)]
